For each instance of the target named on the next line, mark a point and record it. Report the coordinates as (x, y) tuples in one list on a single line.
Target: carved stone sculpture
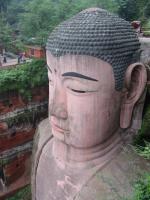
[(81, 151)]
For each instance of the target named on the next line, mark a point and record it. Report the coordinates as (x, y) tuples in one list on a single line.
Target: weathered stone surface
[(18, 119), (113, 181), (85, 154), (145, 50), (22, 181)]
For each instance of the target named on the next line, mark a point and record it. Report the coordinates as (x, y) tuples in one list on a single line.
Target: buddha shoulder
[(116, 180)]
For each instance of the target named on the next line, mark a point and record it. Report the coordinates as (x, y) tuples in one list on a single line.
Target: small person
[(4, 59)]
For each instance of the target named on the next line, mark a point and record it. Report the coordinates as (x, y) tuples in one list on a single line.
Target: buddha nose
[(58, 102)]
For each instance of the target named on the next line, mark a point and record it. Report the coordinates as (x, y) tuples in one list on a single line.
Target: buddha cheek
[(92, 119), (81, 131), (86, 121)]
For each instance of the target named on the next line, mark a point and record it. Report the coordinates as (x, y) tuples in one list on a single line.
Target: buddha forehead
[(100, 34), (87, 70), (83, 64)]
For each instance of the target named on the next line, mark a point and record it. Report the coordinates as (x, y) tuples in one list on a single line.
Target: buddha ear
[(135, 82)]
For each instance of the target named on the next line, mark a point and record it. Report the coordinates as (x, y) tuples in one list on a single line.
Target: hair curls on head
[(96, 32)]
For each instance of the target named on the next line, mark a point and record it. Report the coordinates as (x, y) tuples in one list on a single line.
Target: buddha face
[(84, 107)]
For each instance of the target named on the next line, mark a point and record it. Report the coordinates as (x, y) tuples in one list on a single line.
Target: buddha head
[(94, 82)]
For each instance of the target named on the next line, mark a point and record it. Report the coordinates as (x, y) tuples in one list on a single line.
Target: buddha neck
[(69, 156)]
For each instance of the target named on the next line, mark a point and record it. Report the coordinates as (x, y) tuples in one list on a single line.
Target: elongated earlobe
[(135, 82)]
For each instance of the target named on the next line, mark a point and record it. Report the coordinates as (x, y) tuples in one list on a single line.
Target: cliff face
[(145, 58), (145, 50), (18, 119)]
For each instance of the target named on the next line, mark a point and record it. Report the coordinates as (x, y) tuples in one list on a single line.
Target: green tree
[(110, 5), (4, 5), (14, 9), (128, 9), (34, 19), (5, 34), (41, 17), (147, 10), (134, 9), (38, 20)]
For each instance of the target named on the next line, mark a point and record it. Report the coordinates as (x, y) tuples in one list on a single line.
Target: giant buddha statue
[(83, 151)]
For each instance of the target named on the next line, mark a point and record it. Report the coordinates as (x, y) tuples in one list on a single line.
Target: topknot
[(96, 32)]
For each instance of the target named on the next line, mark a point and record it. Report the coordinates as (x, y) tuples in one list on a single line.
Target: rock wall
[(18, 120), (145, 54), (145, 50)]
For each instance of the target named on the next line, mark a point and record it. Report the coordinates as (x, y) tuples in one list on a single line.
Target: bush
[(24, 77), (144, 151), (142, 188)]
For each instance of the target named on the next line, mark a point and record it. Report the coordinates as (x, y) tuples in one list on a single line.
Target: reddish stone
[(39, 94), (12, 140), (10, 104), (16, 102), (4, 109), (19, 183), (15, 169), (3, 127)]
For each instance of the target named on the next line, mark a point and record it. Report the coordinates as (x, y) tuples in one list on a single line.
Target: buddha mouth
[(57, 127)]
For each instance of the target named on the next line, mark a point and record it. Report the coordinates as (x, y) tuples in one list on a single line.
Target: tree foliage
[(5, 33), (15, 8), (141, 188), (134, 9), (24, 77), (41, 17), (147, 10), (128, 9), (35, 19), (4, 5)]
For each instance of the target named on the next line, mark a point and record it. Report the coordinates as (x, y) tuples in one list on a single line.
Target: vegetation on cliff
[(24, 77), (141, 188), (33, 20)]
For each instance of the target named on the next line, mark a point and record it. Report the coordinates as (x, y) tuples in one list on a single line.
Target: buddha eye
[(78, 87), (78, 91), (82, 91)]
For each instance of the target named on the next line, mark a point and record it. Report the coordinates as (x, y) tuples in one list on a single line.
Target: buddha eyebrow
[(74, 74)]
